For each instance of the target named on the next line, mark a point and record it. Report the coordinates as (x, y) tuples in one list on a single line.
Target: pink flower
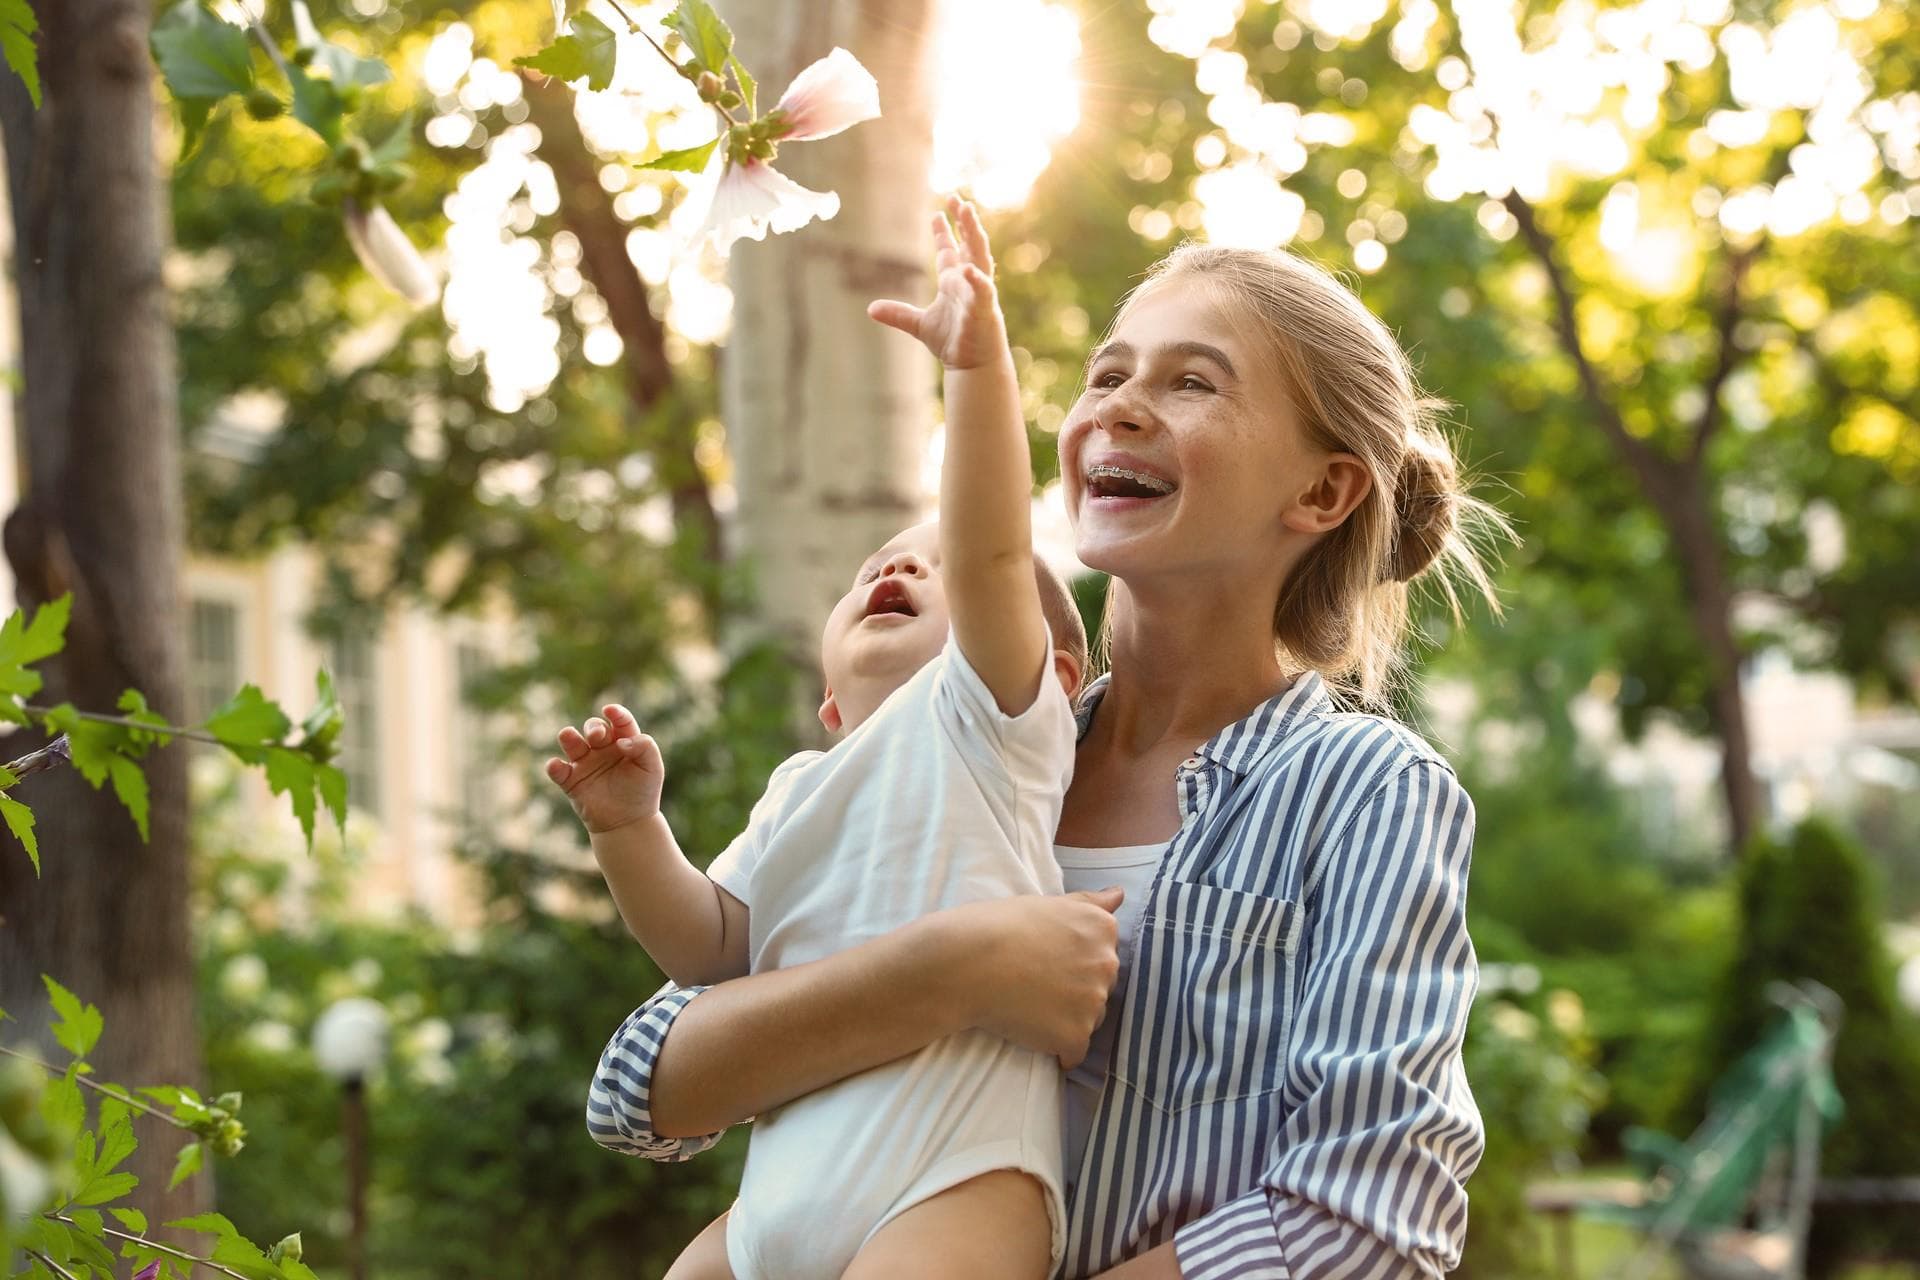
[(752, 198), (387, 254), (832, 94)]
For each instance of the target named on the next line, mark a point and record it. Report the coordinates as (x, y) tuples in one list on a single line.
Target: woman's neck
[(1185, 665)]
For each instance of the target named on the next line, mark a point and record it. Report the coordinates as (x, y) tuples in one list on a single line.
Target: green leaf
[(116, 1135), (332, 784), (105, 1187), (320, 731), (130, 784), (317, 105), (290, 773), (132, 1219), (62, 1106), (194, 113), (200, 54), (20, 822), (185, 1165), (392, 149), (243, 1255), (587, 51), (710, 39), (17, 26), (21, 643), (212, 1223), (747, 85), (134, 703), (79, 1027), (248, 719), (88, 1247), (687, 160), (342, 66)]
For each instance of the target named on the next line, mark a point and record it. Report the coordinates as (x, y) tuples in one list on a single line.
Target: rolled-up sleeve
[(1368, 1175), (619, 1111)]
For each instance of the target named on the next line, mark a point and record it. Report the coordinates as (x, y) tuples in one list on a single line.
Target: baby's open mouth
[(1105, 480), (890, 596)]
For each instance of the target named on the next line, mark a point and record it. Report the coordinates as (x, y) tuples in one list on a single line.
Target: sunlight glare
[(1005, 92)]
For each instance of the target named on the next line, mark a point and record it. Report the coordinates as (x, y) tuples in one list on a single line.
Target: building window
[(473, 754), (213, 656), (354, 680)]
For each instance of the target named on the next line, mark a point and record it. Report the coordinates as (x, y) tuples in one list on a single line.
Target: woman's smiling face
[(1184, 451)]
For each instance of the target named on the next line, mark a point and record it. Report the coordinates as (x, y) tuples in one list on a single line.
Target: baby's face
[(893, 619)]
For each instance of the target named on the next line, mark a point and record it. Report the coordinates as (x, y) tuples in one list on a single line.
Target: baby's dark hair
[(1062, 614)]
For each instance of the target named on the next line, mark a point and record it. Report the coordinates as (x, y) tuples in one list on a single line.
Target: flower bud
[(709, 85), (730, 100), (264, 104)]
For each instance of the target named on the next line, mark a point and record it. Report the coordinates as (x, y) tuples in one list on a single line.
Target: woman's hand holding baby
[(962, 325), (1037, 969), (612, 773)]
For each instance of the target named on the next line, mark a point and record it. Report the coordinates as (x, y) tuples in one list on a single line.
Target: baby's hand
[(612, 773), (962, 324)]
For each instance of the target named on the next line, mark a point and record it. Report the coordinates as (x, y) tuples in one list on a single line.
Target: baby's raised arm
[(986, 483), (694, 930)]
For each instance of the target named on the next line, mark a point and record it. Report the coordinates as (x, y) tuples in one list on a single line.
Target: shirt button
[(1191, 762)]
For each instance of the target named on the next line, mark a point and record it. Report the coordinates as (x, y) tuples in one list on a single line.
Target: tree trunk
[(100, 516), (1710, 603), (827, 413)]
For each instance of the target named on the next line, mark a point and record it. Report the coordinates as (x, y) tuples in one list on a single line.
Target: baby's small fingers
[(982, 282), (619, 720), (596, 730), (896, 315), (572, 743), (559, 770), (975, 237)]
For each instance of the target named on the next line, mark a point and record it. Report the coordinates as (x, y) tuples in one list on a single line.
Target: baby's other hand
[(962, 324), (612, 772)]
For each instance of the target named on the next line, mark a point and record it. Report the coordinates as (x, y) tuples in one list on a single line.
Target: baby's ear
[(830, 712), (1067, 669)]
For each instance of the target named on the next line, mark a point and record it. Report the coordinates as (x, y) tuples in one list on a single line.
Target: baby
[(950, 664)]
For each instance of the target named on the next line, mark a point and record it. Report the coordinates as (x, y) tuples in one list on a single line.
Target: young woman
[(1261, 1008)]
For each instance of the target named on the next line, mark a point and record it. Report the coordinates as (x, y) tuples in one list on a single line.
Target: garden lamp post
[(349, 1042)]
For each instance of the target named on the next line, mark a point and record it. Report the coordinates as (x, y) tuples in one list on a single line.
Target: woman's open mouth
[(1114, 486), (889, 598)]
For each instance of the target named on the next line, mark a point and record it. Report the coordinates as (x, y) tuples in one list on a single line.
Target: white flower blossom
[(832, 94), (754, 198), (387, 254)]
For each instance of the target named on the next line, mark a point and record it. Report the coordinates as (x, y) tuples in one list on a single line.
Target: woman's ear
[(830, 712), (1343, 482)]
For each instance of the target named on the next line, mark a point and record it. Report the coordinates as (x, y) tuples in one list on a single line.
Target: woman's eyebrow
[(1119, 350), (1205, 351)]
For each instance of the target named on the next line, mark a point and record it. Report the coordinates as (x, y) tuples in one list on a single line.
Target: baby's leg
[(706, 1257), (993, 1225)]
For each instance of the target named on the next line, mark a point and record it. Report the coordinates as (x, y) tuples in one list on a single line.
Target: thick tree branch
[(1725, 326), (587, 211), (1656, 472)]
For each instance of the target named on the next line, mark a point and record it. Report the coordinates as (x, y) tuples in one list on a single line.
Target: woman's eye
[(1191, 383), (1108, 381)]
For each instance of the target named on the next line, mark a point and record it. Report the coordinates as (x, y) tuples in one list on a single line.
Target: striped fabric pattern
[(1286, 1097)]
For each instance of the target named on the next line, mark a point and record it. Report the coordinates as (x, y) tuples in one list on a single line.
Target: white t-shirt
[(1132, 867), (935, 800)]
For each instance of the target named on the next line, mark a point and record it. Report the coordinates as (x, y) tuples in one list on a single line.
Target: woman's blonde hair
[(1343, 611)]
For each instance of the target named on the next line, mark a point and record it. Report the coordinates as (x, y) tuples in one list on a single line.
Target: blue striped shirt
[(1286, 1097)]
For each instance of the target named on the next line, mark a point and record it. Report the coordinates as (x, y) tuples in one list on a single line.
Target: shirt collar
[(1240, 745)]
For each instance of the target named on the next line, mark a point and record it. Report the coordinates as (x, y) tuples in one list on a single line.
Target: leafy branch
[(106, 747)]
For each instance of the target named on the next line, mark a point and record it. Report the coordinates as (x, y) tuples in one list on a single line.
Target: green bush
[(1807, 910)]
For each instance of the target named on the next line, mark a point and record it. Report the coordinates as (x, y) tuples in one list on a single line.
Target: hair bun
[(1426, 502)]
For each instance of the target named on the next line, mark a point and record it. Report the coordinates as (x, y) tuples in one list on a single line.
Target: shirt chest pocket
[(1217, 995)]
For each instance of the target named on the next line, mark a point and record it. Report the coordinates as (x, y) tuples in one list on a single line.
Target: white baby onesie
[(936, 800)]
